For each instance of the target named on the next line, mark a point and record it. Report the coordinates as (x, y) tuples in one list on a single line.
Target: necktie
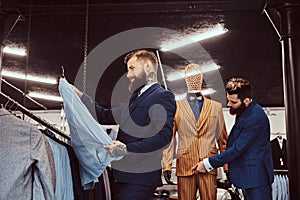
[(195, 108), (133, 98), (194, 101)]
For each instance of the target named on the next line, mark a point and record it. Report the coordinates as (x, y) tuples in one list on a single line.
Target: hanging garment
[(25, 167), (87, 137), (64, 184), (279, 153), (97, 193)]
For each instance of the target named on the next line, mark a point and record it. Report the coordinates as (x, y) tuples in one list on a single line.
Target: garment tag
[(281, 161)]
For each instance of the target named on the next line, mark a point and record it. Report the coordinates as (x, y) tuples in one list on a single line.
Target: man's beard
[(137, 83), (237, 111)]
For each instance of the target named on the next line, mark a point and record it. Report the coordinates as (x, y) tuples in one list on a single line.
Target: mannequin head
[(193, 78)]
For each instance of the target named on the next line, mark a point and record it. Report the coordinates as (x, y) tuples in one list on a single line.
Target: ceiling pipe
[(162, 7)]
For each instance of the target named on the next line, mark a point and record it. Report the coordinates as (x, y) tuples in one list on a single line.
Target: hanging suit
[(279, 155), (25, 164), (196, 141)]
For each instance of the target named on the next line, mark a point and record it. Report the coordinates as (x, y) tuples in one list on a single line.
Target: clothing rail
[(24, 94), (25, 111), (281, 170)]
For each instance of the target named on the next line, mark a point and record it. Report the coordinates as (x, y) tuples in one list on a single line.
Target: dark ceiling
[(54, 34)]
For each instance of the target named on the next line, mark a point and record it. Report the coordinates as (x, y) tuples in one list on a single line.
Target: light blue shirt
[(64, 183), (87, 137)]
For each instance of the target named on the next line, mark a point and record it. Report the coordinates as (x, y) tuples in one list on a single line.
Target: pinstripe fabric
[(196, 141), (187, 187)]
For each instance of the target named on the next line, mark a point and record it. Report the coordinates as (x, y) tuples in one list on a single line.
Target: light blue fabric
[(87, 137), (64, 183)]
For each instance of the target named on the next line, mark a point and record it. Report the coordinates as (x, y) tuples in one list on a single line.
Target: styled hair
[(145, 54), (240, 86)]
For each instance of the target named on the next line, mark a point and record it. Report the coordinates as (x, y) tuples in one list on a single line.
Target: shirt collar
[(146, 87)]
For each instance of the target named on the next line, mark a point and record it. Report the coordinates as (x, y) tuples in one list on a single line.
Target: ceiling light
[(189, 39), (45, 96), (204, 92), (180, 74), (15, 50), (29, 77), (208, 91)]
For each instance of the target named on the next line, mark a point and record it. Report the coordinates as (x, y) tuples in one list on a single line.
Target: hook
[(11, 106), (62, 71), (6, 104)]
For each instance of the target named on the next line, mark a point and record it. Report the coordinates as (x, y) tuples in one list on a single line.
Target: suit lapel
[(187, 108), (139, 99)]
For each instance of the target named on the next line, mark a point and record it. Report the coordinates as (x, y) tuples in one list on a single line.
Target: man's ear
[(247, 101), (148, 66)]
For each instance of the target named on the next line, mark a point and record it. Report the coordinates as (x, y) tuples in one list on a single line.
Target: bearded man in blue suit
[(145, 128), (248, 152)]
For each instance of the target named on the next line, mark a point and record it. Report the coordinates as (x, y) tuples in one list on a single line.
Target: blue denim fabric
[(87, 137), (64, 183)]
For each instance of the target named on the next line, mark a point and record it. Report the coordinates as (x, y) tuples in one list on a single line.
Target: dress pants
[(207, 184), (258, 193), (127, 191)]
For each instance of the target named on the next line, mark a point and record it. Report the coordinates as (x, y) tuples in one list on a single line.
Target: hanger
[(6, 104), (62, 71)]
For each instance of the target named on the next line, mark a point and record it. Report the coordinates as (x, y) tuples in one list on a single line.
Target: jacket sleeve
[(222, 135), (248, 132), (41, 173), (168, 153), (163, 124), (103, 115)]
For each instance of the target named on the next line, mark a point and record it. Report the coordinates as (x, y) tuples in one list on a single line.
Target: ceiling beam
[(137, 8)]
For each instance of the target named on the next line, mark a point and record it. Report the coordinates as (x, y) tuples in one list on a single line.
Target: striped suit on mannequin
[(197, 138)]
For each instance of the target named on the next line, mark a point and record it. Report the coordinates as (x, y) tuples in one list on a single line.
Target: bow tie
[(192, 98)]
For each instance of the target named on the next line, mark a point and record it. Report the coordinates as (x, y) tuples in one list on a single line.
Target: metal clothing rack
[(23, 93), (281, 171), (17, 106)]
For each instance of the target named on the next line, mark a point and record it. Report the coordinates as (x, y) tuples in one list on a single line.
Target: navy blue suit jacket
[(248, 152), (145, 126)]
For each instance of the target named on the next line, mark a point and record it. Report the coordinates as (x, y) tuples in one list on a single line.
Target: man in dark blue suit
[(248, 152), (145, 128)]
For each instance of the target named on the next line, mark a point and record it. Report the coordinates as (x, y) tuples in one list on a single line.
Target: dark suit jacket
[(248, 152), (278, 153), (145, 127)]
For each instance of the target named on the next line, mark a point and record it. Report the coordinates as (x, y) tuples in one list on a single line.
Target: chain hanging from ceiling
[(28, 51), (85, 51)]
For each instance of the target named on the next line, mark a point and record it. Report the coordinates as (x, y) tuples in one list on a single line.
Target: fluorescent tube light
[(189, 39), (29, 77), (208, 91), (45, 96), (15, 50), (180, 74)]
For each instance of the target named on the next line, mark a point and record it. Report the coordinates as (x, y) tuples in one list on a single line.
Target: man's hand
[(167, 175), (76, 90), (116, 149), (199, 168)]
